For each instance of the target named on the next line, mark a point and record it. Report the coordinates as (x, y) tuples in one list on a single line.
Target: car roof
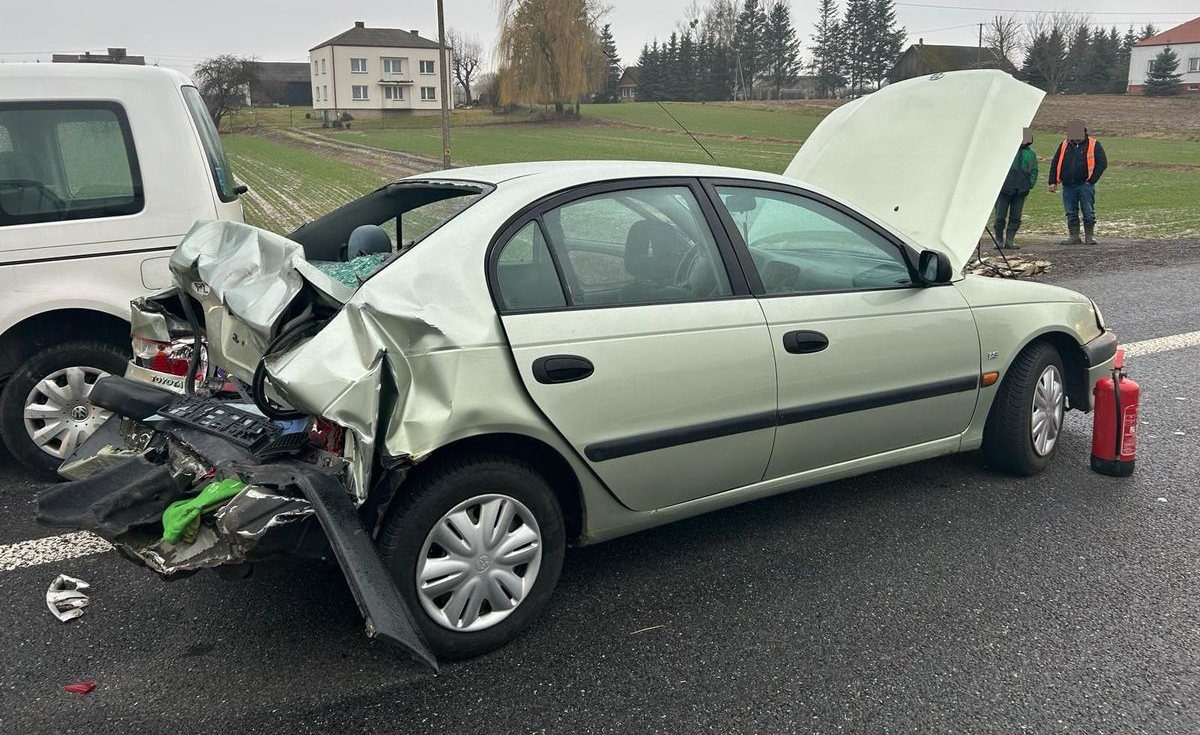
[(52, 71), (571, 173)]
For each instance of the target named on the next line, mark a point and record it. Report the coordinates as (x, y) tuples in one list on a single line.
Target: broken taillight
[(327, 437), (166, 357)]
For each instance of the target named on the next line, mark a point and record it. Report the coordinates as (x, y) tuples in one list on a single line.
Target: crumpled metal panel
[(149, 319)]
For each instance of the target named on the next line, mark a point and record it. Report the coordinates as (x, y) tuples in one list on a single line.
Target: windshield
[(222, 176)]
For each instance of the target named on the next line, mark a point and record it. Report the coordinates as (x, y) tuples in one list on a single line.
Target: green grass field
[(1149, 191)]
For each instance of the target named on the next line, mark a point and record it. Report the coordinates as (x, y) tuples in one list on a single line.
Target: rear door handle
[(562, 368), (803, 341)]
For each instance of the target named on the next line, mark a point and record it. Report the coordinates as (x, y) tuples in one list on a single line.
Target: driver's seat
[(653, 252)]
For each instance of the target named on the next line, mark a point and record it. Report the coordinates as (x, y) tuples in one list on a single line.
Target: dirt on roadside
[(1107, 256), (392, 163)]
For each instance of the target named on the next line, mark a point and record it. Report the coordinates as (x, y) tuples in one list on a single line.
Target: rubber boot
[(1089, 229), (1008, 241), (1074, 238)]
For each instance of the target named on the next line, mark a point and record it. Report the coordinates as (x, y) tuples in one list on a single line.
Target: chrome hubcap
[(1047, 411), (58, 415), (479, 562)]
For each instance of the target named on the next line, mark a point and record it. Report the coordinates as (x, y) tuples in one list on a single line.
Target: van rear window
[(66, 161), (213, 151)]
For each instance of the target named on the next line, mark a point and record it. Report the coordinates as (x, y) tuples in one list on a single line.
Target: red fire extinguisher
[(1114, 427)]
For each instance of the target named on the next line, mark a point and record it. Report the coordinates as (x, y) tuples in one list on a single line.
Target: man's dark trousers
[(1079, 197), (1008, 213)]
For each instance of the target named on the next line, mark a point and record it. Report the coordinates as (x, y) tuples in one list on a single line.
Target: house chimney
[(920, 41), (414, 31), (359, 24)]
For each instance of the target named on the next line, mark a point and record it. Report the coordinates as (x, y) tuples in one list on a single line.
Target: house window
[(325, 92), (393, 66), (322, 66), (426, 66), (1149, 66), (315, 72), (317, 94), (393, 93), (358, 92), (1194, 65), (428, 93), (358, 66)]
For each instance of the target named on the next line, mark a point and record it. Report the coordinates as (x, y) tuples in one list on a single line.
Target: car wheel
[(476, 545), (45, 413), (1022, 431)]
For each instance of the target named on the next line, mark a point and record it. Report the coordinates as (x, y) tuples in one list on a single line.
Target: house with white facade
[(1184, 40), (376, 72)]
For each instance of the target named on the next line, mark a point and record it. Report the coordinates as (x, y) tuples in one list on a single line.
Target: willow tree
[(550, 52)]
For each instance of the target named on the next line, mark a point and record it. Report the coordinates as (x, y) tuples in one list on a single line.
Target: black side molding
[(626, 446), (824, 409), (1101, 349), (129, 398)]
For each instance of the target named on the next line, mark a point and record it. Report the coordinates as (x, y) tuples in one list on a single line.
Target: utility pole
[(980, 60), (444, 53)]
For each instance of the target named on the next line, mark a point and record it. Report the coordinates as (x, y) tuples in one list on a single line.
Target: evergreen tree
[(1148, 30), (648, 73), (1077, 51), (686, 65), (782, 48), (716, 80), (826, 64), (1121, 72), (1045, 61), (749, 45), (1164, 78), (858, 43), (612, 72), (671, 83), (885, 41)]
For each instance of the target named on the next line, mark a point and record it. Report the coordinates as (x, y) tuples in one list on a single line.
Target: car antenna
[(664, 109)]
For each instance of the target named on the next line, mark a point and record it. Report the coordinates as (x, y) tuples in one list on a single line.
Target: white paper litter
[(65, 597)]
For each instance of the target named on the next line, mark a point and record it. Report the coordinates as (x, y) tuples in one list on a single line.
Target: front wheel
[(45, 413), (476, 545), (1022, 431)]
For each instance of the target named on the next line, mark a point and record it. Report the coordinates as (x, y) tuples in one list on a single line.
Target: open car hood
[(926, 157)]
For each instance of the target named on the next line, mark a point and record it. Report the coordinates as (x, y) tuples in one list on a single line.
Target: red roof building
[(1184, 40)]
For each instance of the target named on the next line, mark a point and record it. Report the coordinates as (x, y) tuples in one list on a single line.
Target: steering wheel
[(684, 270)]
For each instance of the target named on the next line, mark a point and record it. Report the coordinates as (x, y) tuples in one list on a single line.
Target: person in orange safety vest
[(1078, 164)]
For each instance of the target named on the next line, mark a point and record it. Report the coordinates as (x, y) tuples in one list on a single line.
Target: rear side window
[(65, 161), (213, 151), (526, 273)]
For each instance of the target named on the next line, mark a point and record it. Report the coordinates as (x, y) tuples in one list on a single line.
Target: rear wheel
[(476, 545), (45, 413), (1023, 428)]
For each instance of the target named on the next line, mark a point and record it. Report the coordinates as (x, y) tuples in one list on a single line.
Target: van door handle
[(804, 341), (562, 368)]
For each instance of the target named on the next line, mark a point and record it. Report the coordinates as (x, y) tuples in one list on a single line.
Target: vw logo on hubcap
[(81, 413)]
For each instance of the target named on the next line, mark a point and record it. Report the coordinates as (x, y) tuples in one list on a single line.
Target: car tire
[(426, 499), (93, 358), (1011, 442)]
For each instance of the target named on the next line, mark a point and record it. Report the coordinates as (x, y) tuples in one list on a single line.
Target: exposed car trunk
[(926, 156)]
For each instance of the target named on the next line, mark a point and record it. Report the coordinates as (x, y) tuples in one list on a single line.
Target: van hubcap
[(58, 415), (479, 562), (1047, 411)]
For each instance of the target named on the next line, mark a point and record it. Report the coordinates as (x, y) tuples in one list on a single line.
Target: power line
[(1040, 12)]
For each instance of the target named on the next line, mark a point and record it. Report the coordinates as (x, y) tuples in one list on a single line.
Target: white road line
[(51, 549), (1162, 344), (73, 545)]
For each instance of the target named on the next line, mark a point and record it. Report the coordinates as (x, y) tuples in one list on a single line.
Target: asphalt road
[(934, 597)]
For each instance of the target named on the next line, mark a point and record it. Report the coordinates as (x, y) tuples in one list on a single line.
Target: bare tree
[(1003, 36), (1047, 38), (223, 82), (466, 52), (550, 52)]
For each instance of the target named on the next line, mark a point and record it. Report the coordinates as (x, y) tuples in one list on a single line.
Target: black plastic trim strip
[(1101, 349), (812, 411), (626, 446), (83, 256)]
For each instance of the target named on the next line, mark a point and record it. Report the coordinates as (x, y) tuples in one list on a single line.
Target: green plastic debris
[(352, 272), (181, 519)]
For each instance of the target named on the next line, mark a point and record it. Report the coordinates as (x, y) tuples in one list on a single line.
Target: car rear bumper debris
[(122, 482)]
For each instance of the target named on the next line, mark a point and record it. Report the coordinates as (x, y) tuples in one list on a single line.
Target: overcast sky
[(178, 34)]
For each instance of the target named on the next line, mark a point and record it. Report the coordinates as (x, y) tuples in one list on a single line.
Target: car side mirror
[(933, 267)]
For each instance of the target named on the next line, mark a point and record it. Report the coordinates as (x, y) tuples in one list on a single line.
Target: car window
[(525, 273), (221, 173), (66, 161), (636, 246), (800, 245)]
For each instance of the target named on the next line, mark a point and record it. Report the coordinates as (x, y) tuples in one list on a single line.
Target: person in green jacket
[(1022, 175)]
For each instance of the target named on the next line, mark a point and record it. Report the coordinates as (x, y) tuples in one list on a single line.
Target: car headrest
[(653, 251), (368, 240)]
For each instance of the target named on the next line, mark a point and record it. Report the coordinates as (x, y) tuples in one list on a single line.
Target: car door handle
[(803, 341), (562, 368)]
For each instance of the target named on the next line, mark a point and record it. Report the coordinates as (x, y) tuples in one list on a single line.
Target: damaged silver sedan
[(447, 382)]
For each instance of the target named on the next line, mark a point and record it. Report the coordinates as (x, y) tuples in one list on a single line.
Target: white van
[(103, 169)]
